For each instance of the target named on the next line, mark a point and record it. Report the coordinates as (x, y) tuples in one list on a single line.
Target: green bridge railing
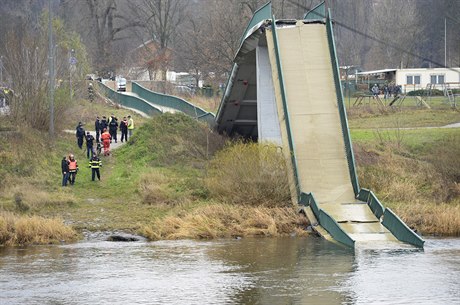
[(341, 105), (327, 222), (149, 101), (390, 220), (173, 102), (129, 101)]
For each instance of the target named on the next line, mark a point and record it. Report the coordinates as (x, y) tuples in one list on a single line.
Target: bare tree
[(25, 54), (160, 21)]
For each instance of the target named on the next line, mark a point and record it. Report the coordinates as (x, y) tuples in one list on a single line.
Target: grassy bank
[(416, 172), (178, 179), (164, 174)]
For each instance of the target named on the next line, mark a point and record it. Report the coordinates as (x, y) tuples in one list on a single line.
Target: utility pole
[(1, 69), (445, 42), (51, 69)]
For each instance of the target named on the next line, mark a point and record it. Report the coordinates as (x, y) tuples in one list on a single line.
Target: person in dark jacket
[(97, 126), (95, 163), (104, 124), (124, 129), (80, 134), (89, 145), (65, 171), (113, 126)]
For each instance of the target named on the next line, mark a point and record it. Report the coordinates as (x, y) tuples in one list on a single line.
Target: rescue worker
[(73, 169), (113, 126), (95, 163), (124, 129), (89, 144), (105, 137), (80, 133), (130, 126), (97, 126), (65, 170)]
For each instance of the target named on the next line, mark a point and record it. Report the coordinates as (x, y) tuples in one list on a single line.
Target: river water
[(273, 271)]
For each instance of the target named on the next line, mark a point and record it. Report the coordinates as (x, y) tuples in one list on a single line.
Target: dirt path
[(113, 145)]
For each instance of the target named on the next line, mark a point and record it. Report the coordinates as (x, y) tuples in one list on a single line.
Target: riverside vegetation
[(175, 178)]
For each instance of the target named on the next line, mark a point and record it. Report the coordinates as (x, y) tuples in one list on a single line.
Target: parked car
[(121, 84)]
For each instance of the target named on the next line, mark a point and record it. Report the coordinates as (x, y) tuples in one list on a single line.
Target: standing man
[(97, 126), (65, 171), (124, 129), (104, 124), (130, 126), (89, 145), (80, 133), (113, 126), (375, 90), (73, 169), (95, 163)]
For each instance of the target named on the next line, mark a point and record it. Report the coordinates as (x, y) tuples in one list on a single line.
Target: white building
[(416, 78)]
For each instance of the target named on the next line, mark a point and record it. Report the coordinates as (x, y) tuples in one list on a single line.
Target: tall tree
[(160, 21)]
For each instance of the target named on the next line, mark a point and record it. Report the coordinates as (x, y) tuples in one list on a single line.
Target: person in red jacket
[(106, 137)]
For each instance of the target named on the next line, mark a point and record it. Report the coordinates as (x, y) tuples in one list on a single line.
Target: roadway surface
[(316, 131)]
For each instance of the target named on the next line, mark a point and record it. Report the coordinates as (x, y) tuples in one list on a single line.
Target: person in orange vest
[(73, 169), (106, 138)]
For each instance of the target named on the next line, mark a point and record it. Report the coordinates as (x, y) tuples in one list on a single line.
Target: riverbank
[(177, 179)]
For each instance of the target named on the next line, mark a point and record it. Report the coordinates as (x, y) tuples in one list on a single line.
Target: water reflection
[(246, 271), (288, 270)]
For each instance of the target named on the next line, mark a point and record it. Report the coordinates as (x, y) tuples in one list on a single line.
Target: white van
[(121, 84)]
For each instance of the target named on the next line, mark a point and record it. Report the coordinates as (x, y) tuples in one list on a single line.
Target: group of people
[(69, 167), (106, 132), (388, 90), (126, 127)]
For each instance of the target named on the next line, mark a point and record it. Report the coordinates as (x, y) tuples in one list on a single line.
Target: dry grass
[(423, 192), (207, 103), (26, 230), (430, 218), (251, 173), (28, 196), (224, 221)]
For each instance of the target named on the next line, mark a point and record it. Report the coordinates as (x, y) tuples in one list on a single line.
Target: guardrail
[(341, 105), (263, 13), (390, 220), (285, 107), (374, 204), (173, 102), (129, 101), (399, 229), (327, 222)]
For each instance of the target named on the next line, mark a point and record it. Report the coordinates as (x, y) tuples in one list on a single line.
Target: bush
[(251, 174), (26, 230), (423, 92)]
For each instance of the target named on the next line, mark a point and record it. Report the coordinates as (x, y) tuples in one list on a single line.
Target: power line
[(347, 27)]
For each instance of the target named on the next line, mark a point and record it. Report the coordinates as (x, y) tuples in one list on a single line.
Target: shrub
[(224, 221), (249, 173), (25, 230), (423, 92)]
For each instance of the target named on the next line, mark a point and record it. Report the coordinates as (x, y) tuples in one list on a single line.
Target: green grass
[(160, 175), (402, 118)]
